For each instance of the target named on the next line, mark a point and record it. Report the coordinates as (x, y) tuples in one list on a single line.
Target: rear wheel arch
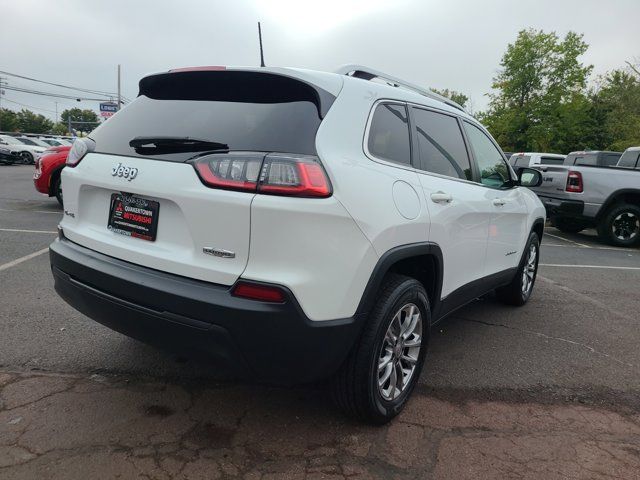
[(628, 195), (422, 261)]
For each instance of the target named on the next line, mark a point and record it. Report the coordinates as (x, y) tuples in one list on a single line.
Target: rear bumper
[(556, 207), (265, 341)]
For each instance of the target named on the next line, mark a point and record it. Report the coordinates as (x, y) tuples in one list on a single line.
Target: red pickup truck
[(46, 178)]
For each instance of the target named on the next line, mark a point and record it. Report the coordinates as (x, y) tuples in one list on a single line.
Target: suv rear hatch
[(147, 161)]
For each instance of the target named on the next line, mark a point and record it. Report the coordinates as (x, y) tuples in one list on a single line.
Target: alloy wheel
[(625, 226), (529, 270), (400, 352)]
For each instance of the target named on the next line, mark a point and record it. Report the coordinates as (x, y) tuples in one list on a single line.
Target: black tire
[(356, 388), (57, 188), (27, 158), (515, 293), (620, 226)]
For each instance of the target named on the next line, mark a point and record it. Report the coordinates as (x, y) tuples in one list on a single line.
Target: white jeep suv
[(293, 225)]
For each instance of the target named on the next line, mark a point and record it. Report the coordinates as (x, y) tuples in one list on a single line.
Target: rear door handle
[(441, 197), (499, 202)]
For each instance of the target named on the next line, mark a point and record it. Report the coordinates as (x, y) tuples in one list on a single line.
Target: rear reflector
[(256, 291), (271, 174), (574, 182)]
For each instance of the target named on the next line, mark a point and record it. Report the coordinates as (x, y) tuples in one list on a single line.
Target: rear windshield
[(239, 111)]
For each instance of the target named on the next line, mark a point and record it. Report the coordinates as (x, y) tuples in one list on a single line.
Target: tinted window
[(551, 161), (520, 160), (611, 159), (441, 145), (629, 159), (494, 171), (586, 160), (242, 111), (389, 133)]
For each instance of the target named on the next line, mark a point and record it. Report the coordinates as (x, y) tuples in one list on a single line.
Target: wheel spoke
[(393, 381), (385, 376), (384, 361), (409, 360), (416, 341)]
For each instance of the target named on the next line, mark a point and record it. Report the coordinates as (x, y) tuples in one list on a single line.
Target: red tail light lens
[(272, 174), (257, 291), (574, 182), (230, 171), (298, 176)]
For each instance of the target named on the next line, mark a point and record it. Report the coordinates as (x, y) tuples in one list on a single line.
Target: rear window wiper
[(166, 144)]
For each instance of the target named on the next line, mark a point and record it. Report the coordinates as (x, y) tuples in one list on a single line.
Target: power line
[(85, 90), (49, 94), (28, 106)]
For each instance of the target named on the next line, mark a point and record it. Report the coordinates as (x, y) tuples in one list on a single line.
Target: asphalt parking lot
[(550, 390)]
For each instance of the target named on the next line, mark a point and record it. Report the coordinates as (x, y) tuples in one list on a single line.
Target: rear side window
[(494, 171), (630, 160), (441, 147), (238, 111), (389, 133), (551, 161), (586, 160), (611, 159)]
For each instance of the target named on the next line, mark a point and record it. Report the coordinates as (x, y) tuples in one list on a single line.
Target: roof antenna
[(261, 52)]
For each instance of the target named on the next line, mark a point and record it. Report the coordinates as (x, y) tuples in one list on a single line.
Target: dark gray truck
[(584, 193)]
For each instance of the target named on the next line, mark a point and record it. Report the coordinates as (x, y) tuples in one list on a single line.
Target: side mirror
[(529, 177)]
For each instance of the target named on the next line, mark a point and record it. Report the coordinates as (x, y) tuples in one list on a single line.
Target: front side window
[(389, 133), (493, 169), (441, 146)]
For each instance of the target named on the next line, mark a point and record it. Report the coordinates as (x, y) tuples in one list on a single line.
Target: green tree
[(458, 97), (29, 122), (616, 105), (539, 94), (79, 119), (59, 129), (8, 120)]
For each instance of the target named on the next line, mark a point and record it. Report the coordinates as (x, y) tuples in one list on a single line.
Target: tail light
[(574, 182), (258, 291), (80, 148), (272, 174)]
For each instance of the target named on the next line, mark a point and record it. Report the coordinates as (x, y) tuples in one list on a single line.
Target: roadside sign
[(107, 109)]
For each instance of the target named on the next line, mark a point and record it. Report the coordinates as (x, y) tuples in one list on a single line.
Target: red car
[(46, 178)]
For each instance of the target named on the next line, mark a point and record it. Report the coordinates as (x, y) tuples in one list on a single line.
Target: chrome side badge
[(219, 252)]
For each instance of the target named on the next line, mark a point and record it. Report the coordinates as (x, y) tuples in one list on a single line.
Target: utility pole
[(56, 111), (2, 84), (119, 96), (260, 39)]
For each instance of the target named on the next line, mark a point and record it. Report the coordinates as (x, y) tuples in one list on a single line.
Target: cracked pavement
[(547, 391), (67, 426)]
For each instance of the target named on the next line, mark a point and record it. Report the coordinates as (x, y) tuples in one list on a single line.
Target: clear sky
[(442, 44)]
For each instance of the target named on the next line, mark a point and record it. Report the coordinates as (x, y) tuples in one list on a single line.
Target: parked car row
[(27, 149), (590, 189)]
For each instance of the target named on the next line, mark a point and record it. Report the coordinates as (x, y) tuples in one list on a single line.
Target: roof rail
[(366, 73)]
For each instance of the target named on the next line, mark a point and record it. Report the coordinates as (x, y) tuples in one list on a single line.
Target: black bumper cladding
[(272, 342), (557, 206)]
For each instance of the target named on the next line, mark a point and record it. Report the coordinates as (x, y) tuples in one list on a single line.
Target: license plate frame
[(133, 216)]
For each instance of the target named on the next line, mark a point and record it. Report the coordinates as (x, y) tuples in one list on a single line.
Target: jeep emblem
[(120, 170)]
